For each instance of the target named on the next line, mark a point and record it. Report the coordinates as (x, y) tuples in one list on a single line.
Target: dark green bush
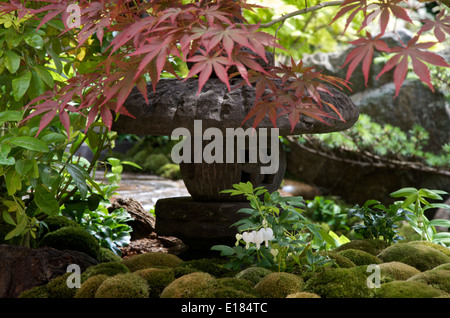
[(58, 221), (373, 247), (254, 274), (439, 279), (398, 270), (228, 287), (406, 289), (206, 265), (187, 286)]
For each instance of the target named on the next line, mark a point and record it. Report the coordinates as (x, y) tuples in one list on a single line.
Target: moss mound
[(35, 292), (106, 255), (170, 171), (152, 259), (398, 270), (360, 257), (57, 222), (157, 279), (420, 256), (57, 287), (445, 266), (340, 283), (253, 274), (279, 285), (407, 289), (340, 260), (187, 286), (373, 247), (109, 269), (228, 287), (439, 247), (206, 265), (72, 238), (303, 295), (155, 161), (126, 285), (90, 286), (439, 279)]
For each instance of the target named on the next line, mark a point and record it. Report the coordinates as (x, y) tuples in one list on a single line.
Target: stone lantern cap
[(175, 104)]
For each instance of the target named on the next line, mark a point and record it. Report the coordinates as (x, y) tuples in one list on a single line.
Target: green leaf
[(8, 218), (34, 40), (12, 61), (23, 166), (43, 73), (429, 194), (20, 85), (45, 200), (10, 115), (29, 143), (223, 249), (403, 192), (79, 176), (4, 151), (13, 182), (440, 222)]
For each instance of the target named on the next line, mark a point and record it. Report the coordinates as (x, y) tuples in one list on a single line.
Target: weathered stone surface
[(199, 225), (22, 268), (176, 104)]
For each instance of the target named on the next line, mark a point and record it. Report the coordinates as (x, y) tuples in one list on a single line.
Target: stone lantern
[(203, 219)]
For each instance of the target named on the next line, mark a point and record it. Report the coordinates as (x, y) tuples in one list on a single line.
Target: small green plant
[(327, 211), (378, 222), (416, 203), (275, 234)]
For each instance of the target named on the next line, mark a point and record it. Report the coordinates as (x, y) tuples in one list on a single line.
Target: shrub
[(279, 285), (439, 247), (419, 256), (340, 283), (90, 286), (155, 161), (157, 279), (398, 270), (373, 247), (439, 279), (406, 289), (253, 274), (151, 259), (228, 287), (109, 269), (126, 285), (187, 286), (359, 257), (72, 238), (170, 171)]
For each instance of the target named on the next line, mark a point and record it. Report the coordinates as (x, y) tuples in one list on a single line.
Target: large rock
[(22, 268)]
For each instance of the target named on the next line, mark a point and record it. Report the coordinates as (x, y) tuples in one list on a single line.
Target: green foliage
[(327, 211), (359, 257), (370, 141), (157, 279), (416, 203), (276, 235), (151, 259), (407, 289), (378, 222)]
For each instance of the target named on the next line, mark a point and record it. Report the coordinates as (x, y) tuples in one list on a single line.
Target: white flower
[(238, 238), (258, 238), (274, 253), (267, 234), (248, 238)]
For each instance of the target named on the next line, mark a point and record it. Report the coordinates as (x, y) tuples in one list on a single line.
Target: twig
[(302, 11)]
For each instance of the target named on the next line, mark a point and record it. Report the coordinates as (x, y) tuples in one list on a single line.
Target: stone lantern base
[(200, 225)]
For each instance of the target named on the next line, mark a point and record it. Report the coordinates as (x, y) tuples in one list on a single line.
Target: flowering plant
[(275, 234)]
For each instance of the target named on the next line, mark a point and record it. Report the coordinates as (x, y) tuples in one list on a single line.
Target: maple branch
[(302, 11)]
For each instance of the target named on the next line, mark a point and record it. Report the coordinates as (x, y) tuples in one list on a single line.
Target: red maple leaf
[(383, 9), (441, 26), (414, 51), (364, 52)]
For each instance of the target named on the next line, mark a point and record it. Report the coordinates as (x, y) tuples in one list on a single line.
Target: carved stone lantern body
[(204, 219)]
